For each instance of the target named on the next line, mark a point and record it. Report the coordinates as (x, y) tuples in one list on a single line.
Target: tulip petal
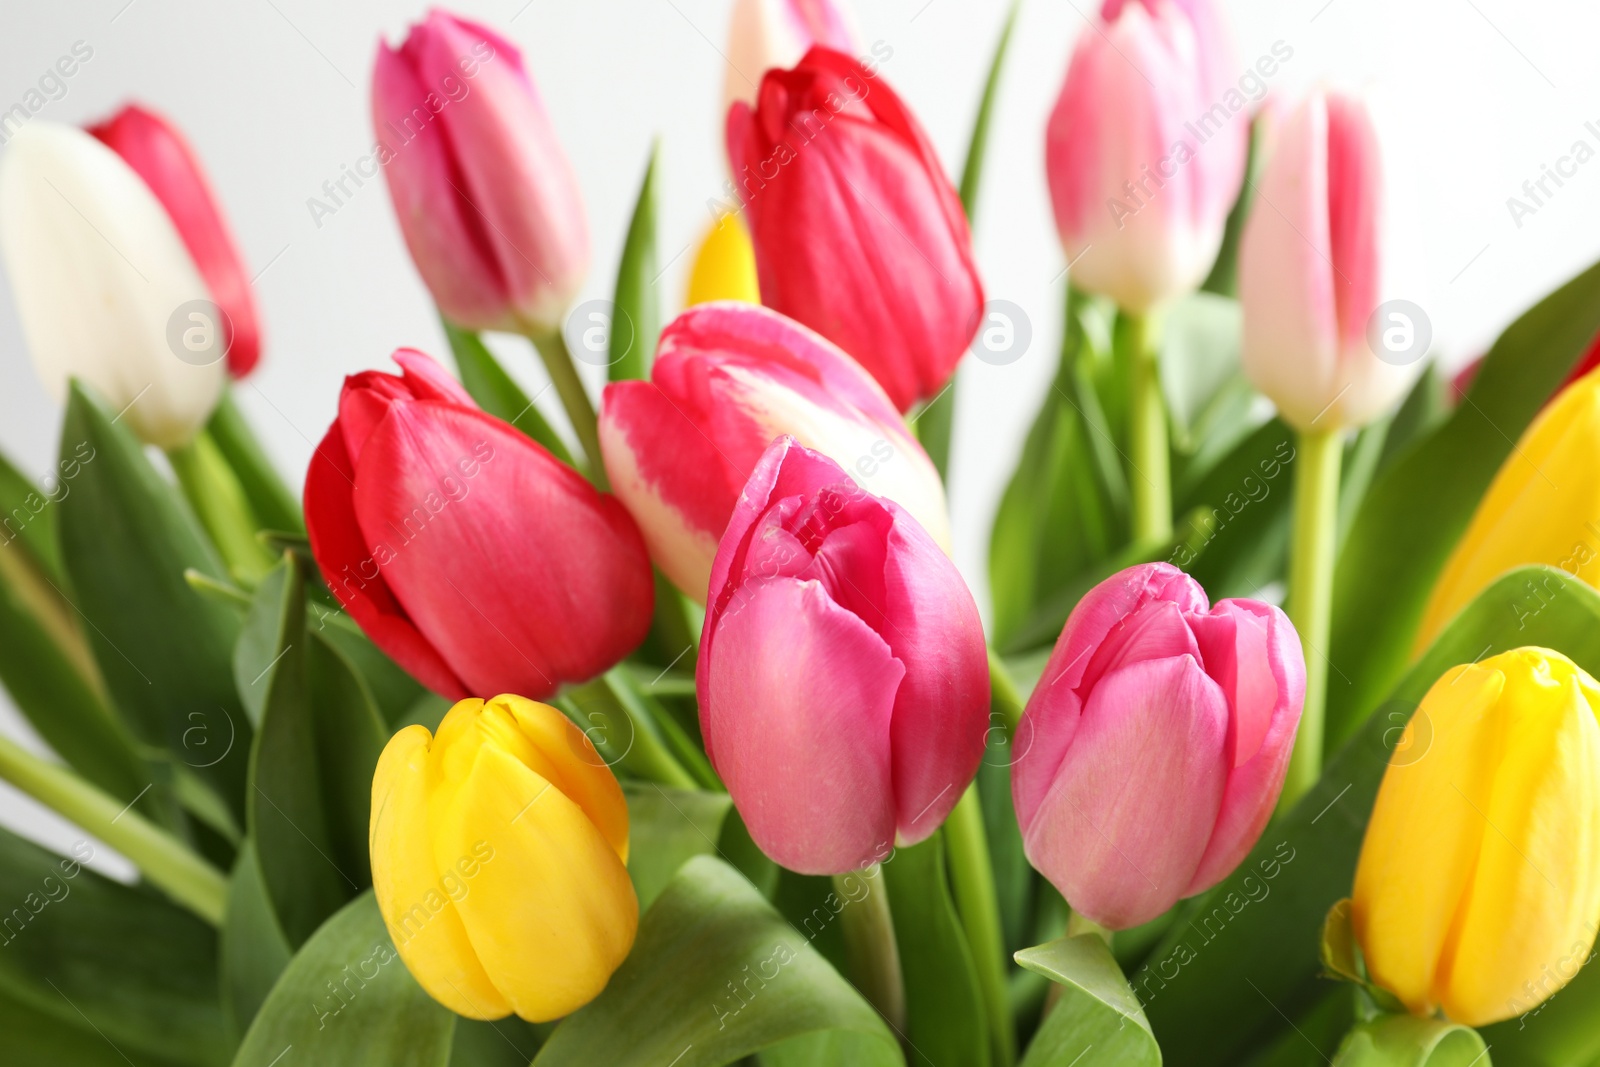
[(429, 381)]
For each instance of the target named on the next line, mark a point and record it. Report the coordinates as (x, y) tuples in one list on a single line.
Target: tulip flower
[(843, 679), (477, 560), (1154, 748), (1477, 889), (765, 35), (157, 151), (102, 279), (485, 196), (725, 266), (1144, 152), (499, 851), (857, 231), (1542, 507), (727, 379)]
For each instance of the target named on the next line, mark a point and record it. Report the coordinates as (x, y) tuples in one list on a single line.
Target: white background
[(1474, 97)]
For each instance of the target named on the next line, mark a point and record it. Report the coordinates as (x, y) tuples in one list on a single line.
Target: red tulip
[(158, 153), (858, 233), (468, 553)]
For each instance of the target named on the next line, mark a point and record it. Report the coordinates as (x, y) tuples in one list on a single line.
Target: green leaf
[(1251, 946), (1013, 876), (716, 974), (276, 507), (495, 391), (28, 517), (35, 1037), (393, 690), (1208, 397), (1406, 1041), (254, 951), (346, 998), (1224, 277), (978, 143), (1098, 1020), (85, 950), (1418, 509), (636, 320), (667, 828), (507, 1042)]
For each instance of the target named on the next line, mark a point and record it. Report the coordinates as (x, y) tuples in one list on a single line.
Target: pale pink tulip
[(773, 34)]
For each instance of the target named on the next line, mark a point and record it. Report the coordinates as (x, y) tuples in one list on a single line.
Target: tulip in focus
[(858, 233), (499, 851), (1146, 150), (1476, 891), (99, 270), (765, 35), (725, 266), (477, 560), (1154, 748), (485, 196), (728, 378), (843, 679)]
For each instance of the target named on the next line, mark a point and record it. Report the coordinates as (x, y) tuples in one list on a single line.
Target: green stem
[(972, 878), (552, 348), (1150, 482), (1079, 923), (868, 929), (219, 502), (1310, 600), (623, 733), (162, 859), (273, 502), (1004, 700)]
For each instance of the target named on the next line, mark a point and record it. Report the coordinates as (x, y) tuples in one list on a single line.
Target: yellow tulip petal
[(413, 895), (725, 266)]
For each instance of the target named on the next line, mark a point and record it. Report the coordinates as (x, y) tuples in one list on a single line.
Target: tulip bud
[(1309, 270), (727, 379), (158, 153), (1476, 886), (485, 196), (725, 266), (1154, 748), (472, 556), (857, 231), (100, 274), (843, 680), (1144, 153), (765, 35), (499, 851), (1542, 507)]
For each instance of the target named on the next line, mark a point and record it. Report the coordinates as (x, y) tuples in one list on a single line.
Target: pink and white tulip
[(843, 679), (773, 34), (728, 378), (1310, 270), (1155, 745)]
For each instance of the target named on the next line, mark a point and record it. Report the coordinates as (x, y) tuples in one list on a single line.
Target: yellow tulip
[(1478, 887), (499, 853), (1543, 507), (725, 266)]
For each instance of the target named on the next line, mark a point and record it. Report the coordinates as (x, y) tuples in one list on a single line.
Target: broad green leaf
[(88, 951), (1250, 947), (276, 507), (1406, 1041), (507, 1042), (346, 998), (737, 847), (496, 392), (1013, 875), (666, 828), (1236, 524), (1098, 1020), (636, 318), (254, 951), (716, 974), (393, 690), (1316, 1033), (32, 1037), (28, 512)]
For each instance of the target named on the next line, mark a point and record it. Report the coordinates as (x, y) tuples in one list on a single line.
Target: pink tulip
[(768, 34), (1155, 745), (843, 681), (857, 231), (158, 153), (485, 196), (1146, 150), (1309, 271), (474, 558), (728, 378)]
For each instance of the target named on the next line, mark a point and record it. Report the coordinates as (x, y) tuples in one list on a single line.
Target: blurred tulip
[(728, 378), (725, 266), (1477, 877), (158, 153), (1542, 507), (101, 275), (843, 679), (468, 553), (499, 852), (485, 196), (1156, 743), (1144, 156), (858, 234), (765, 35), (1309, 271)]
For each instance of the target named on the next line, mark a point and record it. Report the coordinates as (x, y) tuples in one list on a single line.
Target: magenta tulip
[(485, 196), (857, 231), (1156, 742), (843, 680), (728, 378), (474, 558)]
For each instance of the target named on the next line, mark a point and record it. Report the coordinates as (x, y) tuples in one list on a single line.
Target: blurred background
[(1473, 97)]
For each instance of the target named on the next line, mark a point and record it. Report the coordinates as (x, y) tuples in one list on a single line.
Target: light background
[(1474, 97)]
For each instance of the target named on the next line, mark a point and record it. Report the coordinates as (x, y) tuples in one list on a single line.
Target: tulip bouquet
[(663, 730)]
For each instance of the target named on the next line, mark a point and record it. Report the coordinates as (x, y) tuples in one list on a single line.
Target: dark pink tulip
[(473, 557), (843, 680), (1155, 745)]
